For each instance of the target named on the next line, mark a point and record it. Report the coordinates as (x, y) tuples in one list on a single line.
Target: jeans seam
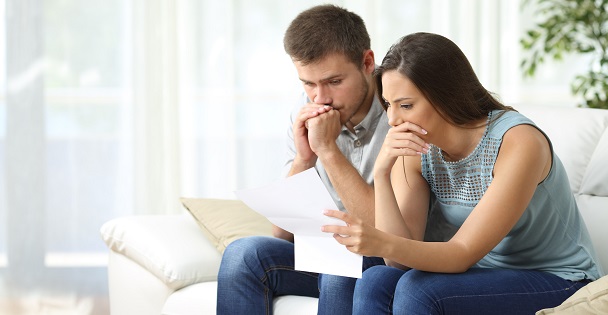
[(265, 280), (266, 293), (390, 304), (501, 294), (284, 268)]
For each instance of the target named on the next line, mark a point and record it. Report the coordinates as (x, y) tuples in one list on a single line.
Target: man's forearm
[(357, 195), (298, 165)]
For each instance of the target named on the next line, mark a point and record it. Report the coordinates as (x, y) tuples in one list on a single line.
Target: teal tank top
[(550, 236)]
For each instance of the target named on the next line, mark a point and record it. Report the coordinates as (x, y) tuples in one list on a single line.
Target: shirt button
[(357, 143)]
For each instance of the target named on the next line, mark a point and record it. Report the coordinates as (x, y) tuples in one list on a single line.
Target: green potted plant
[(571, 26)]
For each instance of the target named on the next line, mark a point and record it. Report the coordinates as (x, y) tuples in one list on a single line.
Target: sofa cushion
[(201, 298), (171, 247), (224, 221), (591, 299), (580, 146)]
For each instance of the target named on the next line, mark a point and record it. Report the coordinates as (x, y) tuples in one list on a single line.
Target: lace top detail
[(465, 181)]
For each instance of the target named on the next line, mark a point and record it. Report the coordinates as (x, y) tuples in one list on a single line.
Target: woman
[(521, 243)]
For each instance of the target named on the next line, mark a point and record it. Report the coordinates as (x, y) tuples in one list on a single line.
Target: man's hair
[(323, 30)]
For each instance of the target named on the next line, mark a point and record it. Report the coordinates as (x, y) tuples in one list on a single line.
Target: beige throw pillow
[(224, 221), (590, 299)]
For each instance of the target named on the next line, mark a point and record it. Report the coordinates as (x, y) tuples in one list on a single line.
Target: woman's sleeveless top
[(550, 236)]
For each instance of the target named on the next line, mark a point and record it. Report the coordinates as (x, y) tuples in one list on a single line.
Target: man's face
[(337, 82)]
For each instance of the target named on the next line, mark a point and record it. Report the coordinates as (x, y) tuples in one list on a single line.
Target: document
[(296, 204)]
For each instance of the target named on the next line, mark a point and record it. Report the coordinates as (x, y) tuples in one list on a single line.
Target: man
[(338, 129)]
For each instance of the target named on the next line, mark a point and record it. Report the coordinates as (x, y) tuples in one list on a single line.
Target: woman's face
[(405, 102)]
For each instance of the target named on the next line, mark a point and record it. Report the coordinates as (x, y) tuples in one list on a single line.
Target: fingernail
[(424, 131), (428, 145)]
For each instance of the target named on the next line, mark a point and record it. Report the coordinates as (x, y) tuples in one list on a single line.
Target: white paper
[(296, 204), (325, 255)]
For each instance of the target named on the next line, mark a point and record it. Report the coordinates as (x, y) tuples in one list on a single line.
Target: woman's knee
[(374, 291), (415, 292), (374, 277), (413, 279)]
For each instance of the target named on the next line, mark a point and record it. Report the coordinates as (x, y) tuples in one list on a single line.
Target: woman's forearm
[(388, 216)]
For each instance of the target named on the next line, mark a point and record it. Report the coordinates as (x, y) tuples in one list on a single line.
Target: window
[(65, 157), (3, 228), (86, 119)]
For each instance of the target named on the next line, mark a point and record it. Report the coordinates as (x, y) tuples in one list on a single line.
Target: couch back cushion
[(580, 139)]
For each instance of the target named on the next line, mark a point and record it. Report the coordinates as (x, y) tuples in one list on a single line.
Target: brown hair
[(323, 30), (443, 74)]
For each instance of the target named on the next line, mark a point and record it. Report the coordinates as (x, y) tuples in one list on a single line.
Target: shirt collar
[(372, 117)]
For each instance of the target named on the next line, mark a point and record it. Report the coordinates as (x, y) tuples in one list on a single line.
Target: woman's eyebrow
[(401, 99)]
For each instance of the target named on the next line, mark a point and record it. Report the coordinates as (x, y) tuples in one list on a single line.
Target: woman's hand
[(357, 236), (401, 140)]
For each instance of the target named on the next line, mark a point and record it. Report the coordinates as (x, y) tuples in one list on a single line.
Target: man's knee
[(242, 253), (333, 283)]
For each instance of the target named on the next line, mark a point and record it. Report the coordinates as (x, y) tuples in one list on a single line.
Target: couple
[(387, 140)]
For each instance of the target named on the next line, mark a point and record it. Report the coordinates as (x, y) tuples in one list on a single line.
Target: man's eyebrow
[(324, 79)]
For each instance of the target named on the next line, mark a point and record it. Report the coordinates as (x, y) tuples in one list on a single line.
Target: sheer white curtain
[(155, 105), (113, 108)]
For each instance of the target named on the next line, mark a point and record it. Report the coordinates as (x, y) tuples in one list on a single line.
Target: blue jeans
[(256, 269), (387, 290)]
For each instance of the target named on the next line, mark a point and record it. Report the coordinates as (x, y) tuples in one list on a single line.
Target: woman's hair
[(441, 71), (323, 30)]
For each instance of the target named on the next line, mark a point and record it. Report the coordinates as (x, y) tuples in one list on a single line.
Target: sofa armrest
[(171, 247)]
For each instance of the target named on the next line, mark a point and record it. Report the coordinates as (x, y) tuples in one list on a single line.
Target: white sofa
[(164, 264)]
